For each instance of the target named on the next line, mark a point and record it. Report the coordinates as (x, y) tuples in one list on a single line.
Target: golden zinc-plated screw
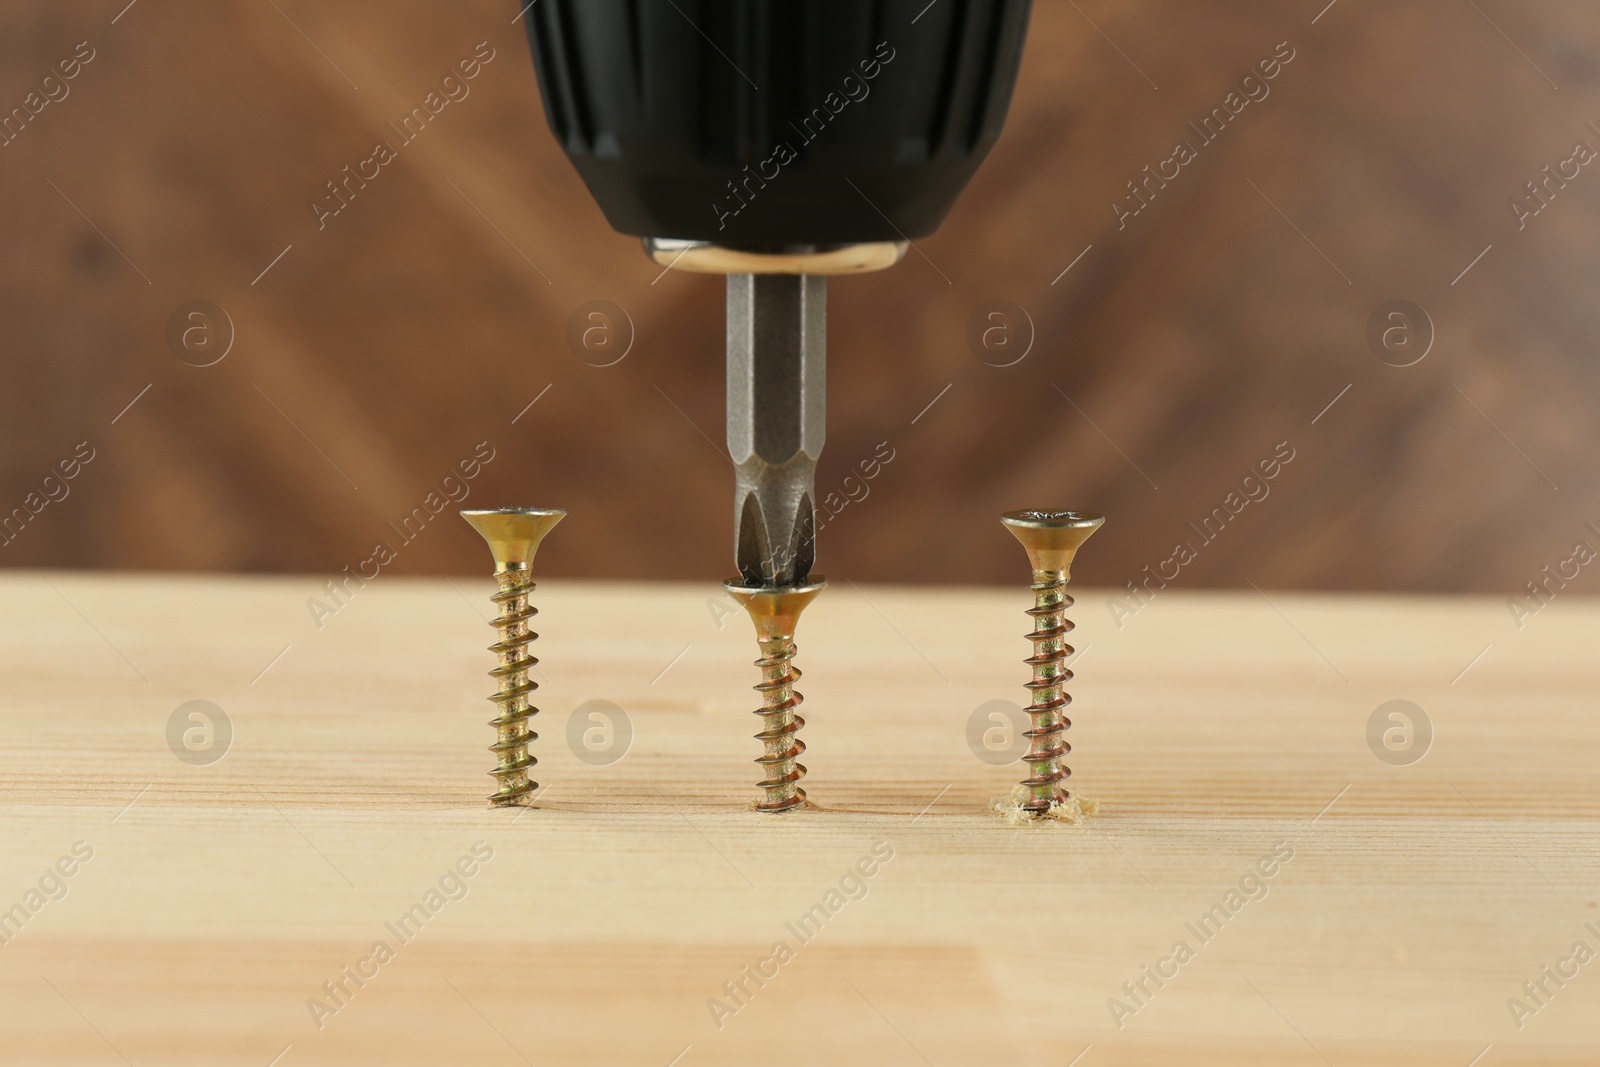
[(1052, 539), (513, 535), (775, 610)]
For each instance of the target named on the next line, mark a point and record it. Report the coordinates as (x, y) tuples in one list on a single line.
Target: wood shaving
[(1072, 811)]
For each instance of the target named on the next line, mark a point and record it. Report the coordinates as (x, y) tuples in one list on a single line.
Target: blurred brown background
[(1176, 353)]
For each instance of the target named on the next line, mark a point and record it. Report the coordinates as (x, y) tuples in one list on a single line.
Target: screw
[(513, 535), (1052, 539), (775, 610)]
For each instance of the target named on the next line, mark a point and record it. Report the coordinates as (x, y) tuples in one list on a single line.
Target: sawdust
[(1072, 811)]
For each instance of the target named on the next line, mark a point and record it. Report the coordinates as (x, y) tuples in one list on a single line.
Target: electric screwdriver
[(776, 142)]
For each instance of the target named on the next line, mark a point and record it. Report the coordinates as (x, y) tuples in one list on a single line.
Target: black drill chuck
[(747, 122)]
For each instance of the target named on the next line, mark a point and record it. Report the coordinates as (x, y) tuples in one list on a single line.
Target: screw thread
[(1048, 723), (512, 733), (780, 726)]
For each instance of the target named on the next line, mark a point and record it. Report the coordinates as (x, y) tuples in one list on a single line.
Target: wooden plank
[(1212, 729)]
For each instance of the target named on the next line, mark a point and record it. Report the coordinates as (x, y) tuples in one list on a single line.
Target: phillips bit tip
[(776, 385)]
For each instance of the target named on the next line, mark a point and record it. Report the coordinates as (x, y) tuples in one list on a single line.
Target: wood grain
[(1211, 727), (426, 316)]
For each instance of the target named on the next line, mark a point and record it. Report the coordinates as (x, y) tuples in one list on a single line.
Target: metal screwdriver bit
[(776, 386)]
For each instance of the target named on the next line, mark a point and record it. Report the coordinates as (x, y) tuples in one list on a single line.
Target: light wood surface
[(1211, 728)]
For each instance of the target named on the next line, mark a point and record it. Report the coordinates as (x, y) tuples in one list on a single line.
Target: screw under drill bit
[(513, 535), (1052, 539), (775, 611)]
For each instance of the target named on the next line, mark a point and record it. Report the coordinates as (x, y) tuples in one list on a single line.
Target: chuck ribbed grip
[(747, 122)]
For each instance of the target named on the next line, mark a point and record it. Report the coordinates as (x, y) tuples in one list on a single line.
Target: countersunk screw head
[(775, 610), (514, 533), (1052, 538)]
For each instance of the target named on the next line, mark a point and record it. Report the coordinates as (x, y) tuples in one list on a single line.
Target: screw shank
[(777, 325), (513, 536), (1046, 711), (1052, 540), (775, 612), (512, 733)]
